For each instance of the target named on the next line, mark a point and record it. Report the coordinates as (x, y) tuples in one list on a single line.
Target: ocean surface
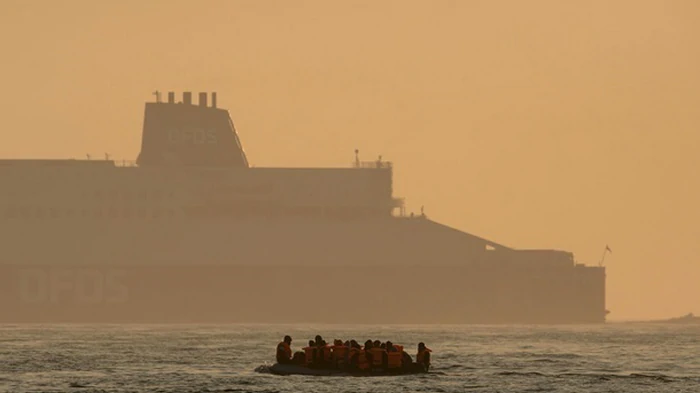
[(616, 357)]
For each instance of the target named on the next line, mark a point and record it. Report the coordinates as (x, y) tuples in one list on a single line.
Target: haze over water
[(540, 124)]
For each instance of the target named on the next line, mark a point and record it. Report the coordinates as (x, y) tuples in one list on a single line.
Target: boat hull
[(292, 369)]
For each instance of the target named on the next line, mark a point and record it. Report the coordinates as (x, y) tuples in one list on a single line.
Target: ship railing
[(125, 163), (372, 164)]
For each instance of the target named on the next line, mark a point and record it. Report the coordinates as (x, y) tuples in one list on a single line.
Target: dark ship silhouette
[(191, 233), (688, 319)]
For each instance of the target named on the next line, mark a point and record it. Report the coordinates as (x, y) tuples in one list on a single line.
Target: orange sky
[(537, 124)]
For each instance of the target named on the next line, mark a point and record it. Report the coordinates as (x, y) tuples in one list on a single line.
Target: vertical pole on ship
[(602, 258)]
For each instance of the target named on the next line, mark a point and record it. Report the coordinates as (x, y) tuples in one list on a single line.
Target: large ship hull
[(191, 233), (283, 270), (240, 294)]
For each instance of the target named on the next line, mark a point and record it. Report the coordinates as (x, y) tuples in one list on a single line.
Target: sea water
[(615, 357)]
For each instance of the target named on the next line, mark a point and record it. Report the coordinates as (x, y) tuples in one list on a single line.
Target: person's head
[(288, 339), (383, 346), (421, 346), (354, 344), (311, 343), (368, 344), (338, 342), (346, 343), (376, 343), (389, 345), (319, 339)]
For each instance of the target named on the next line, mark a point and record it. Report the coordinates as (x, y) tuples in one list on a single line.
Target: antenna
[(357, 158), (157, 94), (605, 251), (106, 156), (88, 156)]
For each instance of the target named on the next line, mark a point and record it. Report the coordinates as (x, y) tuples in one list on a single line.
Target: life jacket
[(287, 350), (420, 357), (362, 362), (326, 353), (309, 354), (395, 359), (339, 353), (377, 357)]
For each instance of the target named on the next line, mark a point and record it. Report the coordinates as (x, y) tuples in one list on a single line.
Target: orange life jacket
[(377, 357), (339, 352), (309, 353), (326, 351), (362, 362), (420, 357), (287, 350), (395, 359)]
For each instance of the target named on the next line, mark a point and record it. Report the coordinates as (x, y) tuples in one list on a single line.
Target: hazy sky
[(537, 124)]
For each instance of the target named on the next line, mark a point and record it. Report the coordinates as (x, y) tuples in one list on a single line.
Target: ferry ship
[(191, 233)]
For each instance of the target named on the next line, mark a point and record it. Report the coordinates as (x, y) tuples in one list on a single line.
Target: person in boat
[(379, 356), (423, 356), (324, 354), (339, 353), (284, 351), (319, 351), (310, 353), (394, 357), (365, 355)]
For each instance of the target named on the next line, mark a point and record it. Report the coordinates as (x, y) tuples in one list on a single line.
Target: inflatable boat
[(294, 369)]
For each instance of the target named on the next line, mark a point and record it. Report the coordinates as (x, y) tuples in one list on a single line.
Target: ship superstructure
[(191, 232)]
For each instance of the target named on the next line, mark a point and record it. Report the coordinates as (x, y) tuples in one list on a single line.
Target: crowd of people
[(350, 355)]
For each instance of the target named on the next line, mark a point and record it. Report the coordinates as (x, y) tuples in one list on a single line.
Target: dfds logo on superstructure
[(195, 137), (72, 285)]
